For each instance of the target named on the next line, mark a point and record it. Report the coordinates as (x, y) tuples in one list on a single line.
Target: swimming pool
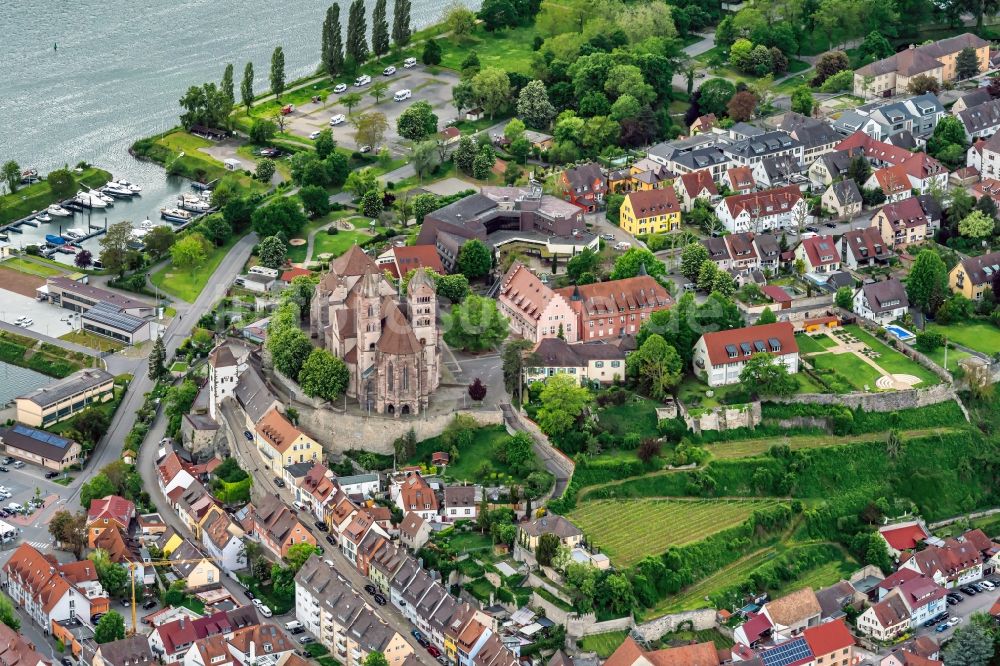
[(900, 333)]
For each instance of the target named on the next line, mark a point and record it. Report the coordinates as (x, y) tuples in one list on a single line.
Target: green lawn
[(471, 458), (510, 50), (629, 530), (337, 244), (603, 644), (637, 414), (180, 153), (850, 369), (979, 335), (810, 344), (88, 339), (31, 268), (893, 361), (297, 253), (954, 356), (469, 541), (186, 285), (38, 196)]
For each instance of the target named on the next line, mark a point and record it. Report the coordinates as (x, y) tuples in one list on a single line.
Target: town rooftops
[(982, 117), (74, 384), (222, 357), (556, 353), (821, 251), (906, 213), (982, 269), (131, 651), (796, 607), (846, 192), (865, 244), (293, 273), (97, 294), (523, 290), (738, 345), (886, 295), (585, 178), (763, 144), (253, 394), (459, 497), (891, 611), (617, 296), (630, 654), (37, 442), (16, 650), (903, 537), (412, 257), (277, 430), (412, 522), (766, 203), (828, 637), (795, 652), (551, 524), (112, 507), (650, 203), (696, 182)]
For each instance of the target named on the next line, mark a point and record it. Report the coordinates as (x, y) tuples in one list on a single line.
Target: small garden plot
[(603, 644), (850, 372), (629, 530), (979, 335), (891, 360), (813, 344)]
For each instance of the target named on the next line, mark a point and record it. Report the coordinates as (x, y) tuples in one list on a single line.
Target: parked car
[(321, 526), (433, 651), (415, 633), (442, 660), (365, 149), (306, 640), (410, 62), (389, 71), (330, 540), (66, 661), (51, 475), (830, 225), (149, 603), (314, 135), (3, 468), (952, 601), (608, 237), (362, 80), (340, 87), (264, 610), (338, 119), (18, 464), (258, 603), (954, 622), (8, 460), (248, 435), (988, 585), (942, 627), (379, 599), (278, 482), (969, 590), (297, 630)]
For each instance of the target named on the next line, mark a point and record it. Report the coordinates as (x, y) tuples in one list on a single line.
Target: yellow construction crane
[(132, 566)]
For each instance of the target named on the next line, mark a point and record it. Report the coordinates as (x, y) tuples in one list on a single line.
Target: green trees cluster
[(207, 105), (319, 373), (284, 215), (475, 324), (948, 143)]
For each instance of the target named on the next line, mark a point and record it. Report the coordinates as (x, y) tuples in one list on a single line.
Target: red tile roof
[(768, 202), (111, 507), (293, 273), (892, 180), (617, 296), (522, 290), (873, 149), (776, 293), (696, 181), (905, 537), (741, 178), (417, 256), (717, 342), (821, 250), (647, 203)]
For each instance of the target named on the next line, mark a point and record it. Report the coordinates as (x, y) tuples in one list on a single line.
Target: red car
[(286, 109), (433, 651)]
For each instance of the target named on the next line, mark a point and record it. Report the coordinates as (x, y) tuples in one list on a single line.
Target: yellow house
[(938, 60), (650, 212), (194, 567), (282, 444), (649, 175), (170, 542), (973, 276)]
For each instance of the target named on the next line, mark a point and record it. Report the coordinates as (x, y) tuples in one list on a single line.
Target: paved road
[(555, 462)]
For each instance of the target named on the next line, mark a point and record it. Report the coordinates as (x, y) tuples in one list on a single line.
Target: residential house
[(970, 99), (819, 253), (878, 153), (907, 222), (170, 641), (39, 447), (952, 565), (364, 486), (755, 149), (534, 310), (984, 156), (981, 121), (740, 180), (650, 212), (793, 613), (919, 651), (342, 620), (254, 397), (926, 174), (696, 185), (712, 160), (587, 362), (280, 443), (275, 526), (892, 75), (742, 252), (410, 492), (414, 531), (924, 598), (703, 124), (263, 645), (584, 185), (615, 308), (780, 171), (989, 187), (900, 122), (833, 599), (34, 582), (779, 208), (768, 248), (647, 174), (843, 199), (817, 137), (194, 567), (17, 650), (902, 537), (130, 651), (863, 248), (460, 503), (354, 535), (222, 539), (894, 181), (886, 619), (568, 533), (831, 643), (974, 276), (881, 302), (315, 488), (718, 251), (110, 511), (719, 356), (831, 167), (192, 505), (386, 562), (629, 653)]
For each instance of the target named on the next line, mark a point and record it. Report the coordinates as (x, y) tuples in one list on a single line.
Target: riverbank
[(180, 154), (38, 196)]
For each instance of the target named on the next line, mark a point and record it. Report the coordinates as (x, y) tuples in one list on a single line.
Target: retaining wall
[(654, 629), (888, 401)]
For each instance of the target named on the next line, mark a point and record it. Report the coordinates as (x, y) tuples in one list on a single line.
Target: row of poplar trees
[(338, 56)]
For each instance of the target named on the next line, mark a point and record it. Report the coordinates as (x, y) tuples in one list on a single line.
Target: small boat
[(73, 234), (29, 176), (103, 197), (131, 187), (88, 200), (43, 217), (118, 191), (58, 211), (193, 203), (149, 225), (54, 239), (175, 215)]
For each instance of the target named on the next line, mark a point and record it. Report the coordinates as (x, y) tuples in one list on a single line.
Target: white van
[(410, 62), (623, 245), (299, 505), (294, 624), (263, 270), (403, 94), (362, 80)]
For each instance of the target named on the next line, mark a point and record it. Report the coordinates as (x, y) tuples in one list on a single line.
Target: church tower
[(421, 297)]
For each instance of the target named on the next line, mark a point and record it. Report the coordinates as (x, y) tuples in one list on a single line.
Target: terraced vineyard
[(628, 530)]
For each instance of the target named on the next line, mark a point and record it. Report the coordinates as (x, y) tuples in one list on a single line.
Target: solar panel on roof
[(787, 653), (40, 435)]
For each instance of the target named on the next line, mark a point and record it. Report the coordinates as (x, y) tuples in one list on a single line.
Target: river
[(119, 70)]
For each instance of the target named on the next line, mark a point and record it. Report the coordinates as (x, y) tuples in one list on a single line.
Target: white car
[(264, 610), (314, 135), (27, 322), (389, 71), (362, 80), (410, 62), (340, 87), (365, 149), (338, 119), (402, 95), (258, 603)]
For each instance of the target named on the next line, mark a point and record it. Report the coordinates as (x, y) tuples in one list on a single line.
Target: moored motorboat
[(119, 191), (43, 217), (132, 187), (74, 234), (175, 215), (87, 200), (193, 204), (107, 199), (54, 239), (58, 211)]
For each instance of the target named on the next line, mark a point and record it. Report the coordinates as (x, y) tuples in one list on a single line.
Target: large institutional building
[(389, 341)]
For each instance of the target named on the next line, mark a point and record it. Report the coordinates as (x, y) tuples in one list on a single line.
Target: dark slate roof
[(38, 442), (64, 388), (885, 295)]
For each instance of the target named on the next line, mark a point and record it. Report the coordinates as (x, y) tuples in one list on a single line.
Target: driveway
[(226, 149), (432, 88)]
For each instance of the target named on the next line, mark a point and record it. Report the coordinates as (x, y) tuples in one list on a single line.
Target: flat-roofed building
[(110, 321), (63, 399), (80, 297), (39, 447)]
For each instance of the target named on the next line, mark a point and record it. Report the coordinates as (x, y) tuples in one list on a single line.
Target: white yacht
[(131, 187), (43, 217), (74, 234), (175, 215), (193, 203), (149, 225), (117, 190), (108, 200), (87, 200), (58, 211)]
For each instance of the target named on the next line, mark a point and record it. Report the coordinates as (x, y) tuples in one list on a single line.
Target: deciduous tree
[(115, 248), (278, 72), (563, 402), (766, 376), (966, 64), (656, 367), (475, 324), (460, 20), (111, 627), (976, 225), (634, 260), (741, 106), (271, 252), (692, 257), (283, 215), (417, 122), (534, 107), (369, 128), (491, 88), (323, 375), (927, 284), (474, 259), (190, 252)]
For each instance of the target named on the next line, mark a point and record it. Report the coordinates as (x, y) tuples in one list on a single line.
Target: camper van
[(410, 62), (403, 94), (263, 270)]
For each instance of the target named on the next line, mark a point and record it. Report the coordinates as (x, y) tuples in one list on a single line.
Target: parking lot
[(432, 88), (47, 319), (970, 604), (24, 485)]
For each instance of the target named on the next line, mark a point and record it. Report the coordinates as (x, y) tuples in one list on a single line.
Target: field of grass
[(637, 414), (337, 244), (194, 164), (88, 339), (954, 356), (38, 196), (510, 50), (603, 644), (892, 360), (979, 335), (850, 369), (297, 253), (31, 268), (749, 448), (809, 344), (471, 458), (628, 530), (186, 285)]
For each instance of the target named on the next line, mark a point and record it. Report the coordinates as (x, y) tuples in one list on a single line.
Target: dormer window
[(731, 351), (775, 344)]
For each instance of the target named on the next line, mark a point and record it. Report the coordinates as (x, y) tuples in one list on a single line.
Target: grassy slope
[(978, 335), (187, 285), (38, 196)]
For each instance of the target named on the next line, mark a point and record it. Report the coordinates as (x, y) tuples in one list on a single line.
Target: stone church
[(389, 341)]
